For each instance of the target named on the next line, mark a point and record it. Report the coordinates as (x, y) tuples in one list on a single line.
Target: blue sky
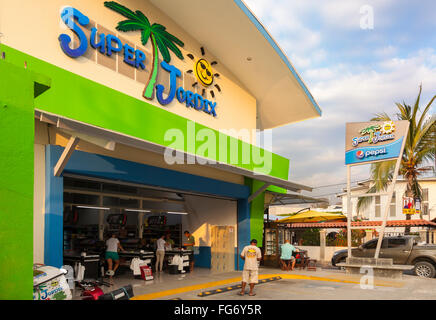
[(351, 72)]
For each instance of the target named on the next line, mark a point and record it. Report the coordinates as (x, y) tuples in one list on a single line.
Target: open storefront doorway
[(95, 208)]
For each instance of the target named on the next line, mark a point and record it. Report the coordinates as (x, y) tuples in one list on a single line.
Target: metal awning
[(84, 129), (276, 198)]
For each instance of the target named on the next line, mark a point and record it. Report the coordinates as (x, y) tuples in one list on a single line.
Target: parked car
[(405, 250)]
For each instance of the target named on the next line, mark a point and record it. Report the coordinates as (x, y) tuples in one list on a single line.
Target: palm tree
[(161, 40), (419, 152), (370, 130)]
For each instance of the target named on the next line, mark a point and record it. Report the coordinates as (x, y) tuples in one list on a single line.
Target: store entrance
[(94, 209)]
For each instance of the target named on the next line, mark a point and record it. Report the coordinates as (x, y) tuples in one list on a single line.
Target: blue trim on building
[(98, 166), (243, 228), (203, 258), (285, 59), (54, 209)]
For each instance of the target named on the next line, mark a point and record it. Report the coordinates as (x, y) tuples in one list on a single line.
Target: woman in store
[(160, 252)]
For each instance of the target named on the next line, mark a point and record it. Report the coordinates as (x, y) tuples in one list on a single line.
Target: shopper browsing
[(160, 252), (251, 255), (111, 256), (169, 243), (189, 244)]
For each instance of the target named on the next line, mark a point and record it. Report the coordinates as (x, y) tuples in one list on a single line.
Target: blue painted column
[(54, 210), (243, 230)]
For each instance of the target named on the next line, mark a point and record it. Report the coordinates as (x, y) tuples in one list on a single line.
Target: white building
[(374, 210)]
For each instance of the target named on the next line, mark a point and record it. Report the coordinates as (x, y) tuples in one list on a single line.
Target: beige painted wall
[(38, 204), (38, 27), (314, 252), (207, 212)]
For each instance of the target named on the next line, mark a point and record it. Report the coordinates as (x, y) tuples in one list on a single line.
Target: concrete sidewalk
[(295, 285)]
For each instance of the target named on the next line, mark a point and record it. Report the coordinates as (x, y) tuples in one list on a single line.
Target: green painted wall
[(17, 89), (78, 98), (256, 211)]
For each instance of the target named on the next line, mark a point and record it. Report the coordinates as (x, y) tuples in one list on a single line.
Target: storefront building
[(143, 111)]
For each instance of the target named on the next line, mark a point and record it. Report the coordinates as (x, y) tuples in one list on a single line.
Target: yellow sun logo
[(203, 71), (388, 127), (205, 74)]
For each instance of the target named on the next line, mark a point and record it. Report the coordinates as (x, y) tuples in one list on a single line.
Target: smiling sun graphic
[(205, 75), (388, 127)]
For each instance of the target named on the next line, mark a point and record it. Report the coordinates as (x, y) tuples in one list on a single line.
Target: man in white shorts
[(251, 255)]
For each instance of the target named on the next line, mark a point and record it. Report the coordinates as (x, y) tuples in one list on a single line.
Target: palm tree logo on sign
[(161, 40)]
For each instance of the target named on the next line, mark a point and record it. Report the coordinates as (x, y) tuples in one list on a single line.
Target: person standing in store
[(111, 256), (189, 245), (169, 243), (251, 255), (160, 253)]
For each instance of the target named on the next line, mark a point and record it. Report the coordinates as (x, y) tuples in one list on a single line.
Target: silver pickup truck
[(405, 250)]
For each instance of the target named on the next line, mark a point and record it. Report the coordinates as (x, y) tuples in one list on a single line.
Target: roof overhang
[(275, 198), (232, 34), (98, 134)]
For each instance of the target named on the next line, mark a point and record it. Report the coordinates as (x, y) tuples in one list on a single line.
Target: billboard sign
[(367, 142)]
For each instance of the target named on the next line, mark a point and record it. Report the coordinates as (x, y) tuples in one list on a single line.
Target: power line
[(337, 184)]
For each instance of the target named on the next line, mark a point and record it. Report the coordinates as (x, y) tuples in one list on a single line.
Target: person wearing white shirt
[(112, 246), (160, 253)]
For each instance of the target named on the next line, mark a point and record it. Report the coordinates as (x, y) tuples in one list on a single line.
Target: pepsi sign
[(374, 141)]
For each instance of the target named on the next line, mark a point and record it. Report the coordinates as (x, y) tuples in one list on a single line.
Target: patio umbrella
[(313, 216)]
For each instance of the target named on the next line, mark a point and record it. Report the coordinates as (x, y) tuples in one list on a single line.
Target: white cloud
[(377, 72)]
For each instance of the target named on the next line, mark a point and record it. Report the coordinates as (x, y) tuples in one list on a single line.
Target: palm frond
[(163, 48), (145, 35), (364, 202), (174, 39), (143, 18), (129, 25), (416, 105), (172, 47), (424, 112), (383, 116)]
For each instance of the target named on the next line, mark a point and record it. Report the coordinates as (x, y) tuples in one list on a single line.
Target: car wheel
[(342, 260), (425, 269)]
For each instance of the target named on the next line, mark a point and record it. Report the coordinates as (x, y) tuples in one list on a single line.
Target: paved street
[(296, 285)]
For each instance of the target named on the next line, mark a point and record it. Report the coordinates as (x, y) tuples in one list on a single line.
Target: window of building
[(424, 203), (393, 206), (377, 206)]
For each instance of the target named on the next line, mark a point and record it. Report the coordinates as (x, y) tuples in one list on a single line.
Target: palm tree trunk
[(409, 193), (149, 88)]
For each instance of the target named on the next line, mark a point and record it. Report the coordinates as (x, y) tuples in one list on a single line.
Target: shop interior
[(93, 210)]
